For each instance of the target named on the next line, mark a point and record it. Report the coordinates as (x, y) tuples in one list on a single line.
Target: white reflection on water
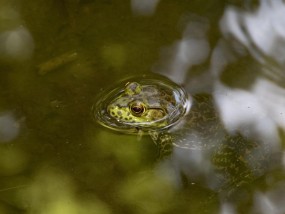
[(272, 98), (191, 50), (145, 7), (283, 160), (271, 201), (227, 208), (257, 111), (16, 41), (260, 31), (250, 113), (9, 127)]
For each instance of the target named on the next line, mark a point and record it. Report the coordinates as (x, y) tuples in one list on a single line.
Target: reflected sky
[(144, 8), (257, 110), (260, 108), (261, 31), (16, 42), (9, 127), (191, 50), (271, 201)]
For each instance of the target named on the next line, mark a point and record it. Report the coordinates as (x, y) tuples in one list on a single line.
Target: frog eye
[(137, 108)]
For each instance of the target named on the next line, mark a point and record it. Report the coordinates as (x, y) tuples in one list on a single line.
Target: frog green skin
[(144, 105), (177, 122)]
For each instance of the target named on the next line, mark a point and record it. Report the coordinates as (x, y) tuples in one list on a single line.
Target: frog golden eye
[(137, 108)]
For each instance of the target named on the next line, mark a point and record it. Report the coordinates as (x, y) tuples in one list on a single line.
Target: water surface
[(57, 56)]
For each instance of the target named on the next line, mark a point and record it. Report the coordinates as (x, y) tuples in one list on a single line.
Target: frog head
[(140, 105)]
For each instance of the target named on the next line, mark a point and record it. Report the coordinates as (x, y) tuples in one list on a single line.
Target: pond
[(59, 57)]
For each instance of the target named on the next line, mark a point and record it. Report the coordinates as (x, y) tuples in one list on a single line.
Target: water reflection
[(261, 31), (259, 109), (191, 50), (271, 201), (9, 127), (145, 8), (16, 41), (227, 208), (252, 107)]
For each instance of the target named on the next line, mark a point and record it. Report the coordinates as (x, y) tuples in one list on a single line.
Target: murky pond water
[(56, 57)]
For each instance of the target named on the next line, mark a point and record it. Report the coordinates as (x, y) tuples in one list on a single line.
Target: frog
[(146, 107), (177, 122), (142, 108)]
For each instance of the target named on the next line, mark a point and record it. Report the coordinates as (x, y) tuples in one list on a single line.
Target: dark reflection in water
[(55, 57)]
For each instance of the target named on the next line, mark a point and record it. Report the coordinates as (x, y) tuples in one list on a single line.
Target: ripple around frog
[(182, 100), (233, 160)]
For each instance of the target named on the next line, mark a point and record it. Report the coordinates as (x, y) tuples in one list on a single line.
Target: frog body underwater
[(179, 122)]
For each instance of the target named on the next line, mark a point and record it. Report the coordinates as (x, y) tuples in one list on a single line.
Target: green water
[(62, 162)]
